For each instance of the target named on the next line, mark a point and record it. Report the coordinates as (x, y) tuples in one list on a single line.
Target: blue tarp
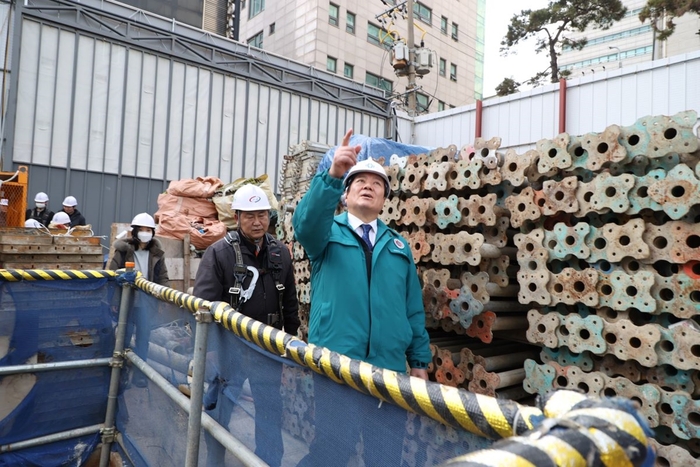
[(374, 148)]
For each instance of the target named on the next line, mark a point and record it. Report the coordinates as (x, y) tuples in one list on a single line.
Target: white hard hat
[(70, 201), (33, 224), (368, 166), (41, 197), (250, 198), (4, 202), (143, 220), (60, 218)]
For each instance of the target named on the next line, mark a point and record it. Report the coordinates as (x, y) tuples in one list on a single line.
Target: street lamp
[(619, 62)]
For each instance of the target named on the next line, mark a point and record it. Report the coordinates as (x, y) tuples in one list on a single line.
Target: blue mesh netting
[(272, 405), (54, 321)]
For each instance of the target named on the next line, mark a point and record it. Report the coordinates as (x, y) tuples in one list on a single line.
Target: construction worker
[(69, 207), (146, 252), (378, 319), (60, 220), (253, 272), (4, 205), (41, 211)]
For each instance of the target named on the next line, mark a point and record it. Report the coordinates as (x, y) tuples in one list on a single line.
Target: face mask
[(40, 205), (145, 237)]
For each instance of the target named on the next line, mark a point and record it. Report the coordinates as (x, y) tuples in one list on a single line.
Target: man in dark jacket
[(268, 265), (69, 207), (41, 211)]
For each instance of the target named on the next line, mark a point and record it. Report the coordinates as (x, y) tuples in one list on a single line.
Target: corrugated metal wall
[(112, 124), (621, 96)]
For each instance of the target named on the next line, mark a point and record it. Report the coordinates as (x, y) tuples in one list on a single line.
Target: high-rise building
[(629, 41), (348, 38)]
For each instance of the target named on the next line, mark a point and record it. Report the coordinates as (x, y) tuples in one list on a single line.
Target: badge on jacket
[(398, 243)]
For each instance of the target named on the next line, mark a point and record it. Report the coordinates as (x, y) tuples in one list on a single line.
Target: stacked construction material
[(40, 249), (299, 167), (608, 255)]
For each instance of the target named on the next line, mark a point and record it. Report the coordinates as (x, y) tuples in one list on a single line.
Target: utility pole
[(411, 62)]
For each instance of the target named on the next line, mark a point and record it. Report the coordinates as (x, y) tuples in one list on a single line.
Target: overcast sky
[(520, 66)]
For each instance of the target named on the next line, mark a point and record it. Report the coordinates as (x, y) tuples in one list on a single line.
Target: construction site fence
[(96, 364)]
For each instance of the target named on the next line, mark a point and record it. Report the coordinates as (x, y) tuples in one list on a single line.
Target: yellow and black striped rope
[(593, 432), (482, 415), (17, 275), (166, 294)]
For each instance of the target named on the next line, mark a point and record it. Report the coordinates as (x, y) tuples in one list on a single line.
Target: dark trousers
[(341, 416), (264, 377)]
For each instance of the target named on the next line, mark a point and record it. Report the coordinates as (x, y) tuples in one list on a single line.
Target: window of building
[(348, 71), (350, 23), (331, 64), (443, 67), (423, 13), (256, 6), (256, 40), (422, 102), (443, 25), (378, 82), (441, 106), (453, 72), (378, 36), (272, 29), (455, 31), (333, 14)]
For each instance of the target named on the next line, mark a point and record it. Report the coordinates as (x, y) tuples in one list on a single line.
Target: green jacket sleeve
[(313, 217), (418, 353)]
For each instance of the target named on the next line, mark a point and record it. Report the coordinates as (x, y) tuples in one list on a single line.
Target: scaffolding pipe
[(116, 362), (42, 440), (233, 445), (38, 367), (194, 425)]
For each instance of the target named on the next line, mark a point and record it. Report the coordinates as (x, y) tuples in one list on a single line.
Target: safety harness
[(240, 271)]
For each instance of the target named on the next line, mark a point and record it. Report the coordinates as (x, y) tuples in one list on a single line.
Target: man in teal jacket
[(366, 301)]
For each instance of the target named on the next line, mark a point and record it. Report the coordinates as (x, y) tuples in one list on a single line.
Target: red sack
[(192, 207), (173, 225), (200, 187)]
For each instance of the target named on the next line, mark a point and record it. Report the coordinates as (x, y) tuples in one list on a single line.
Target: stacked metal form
[(574, 265)]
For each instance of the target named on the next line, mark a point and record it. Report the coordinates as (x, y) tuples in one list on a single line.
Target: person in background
[(60, 220), (146, 252), (69, 207), (378, 319), (266, 269), (4, 205), (41, 211)]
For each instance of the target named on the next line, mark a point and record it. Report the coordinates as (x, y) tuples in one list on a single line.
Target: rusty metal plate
[(486, 151), (539, 379), (542, 328), (677, 192), (639, 194), (553, 153), (476, 283), (565, 357), (678, 411), (419, 245), (298, 251), (445, 211), (395, 174), (629, 342), (565, 241), (603, 147), (460, 248), (447, 154), (465, 307), (522, 207), (668, 377), (673, 456), (413, 178), (621, 291), (515, 165), (390, 211), (558, 196), (465, 174), (531, 248), (497, 268), (581, 334), (590, 384), (497, 234), (438, 278), (679, 346), (615, 242), (678, 295), (672, 134), (675, 241), (533, 288), (571, 286), (477, 210), (413, 211), (489, 176), (613, 367), (610, 192), (436, 176)]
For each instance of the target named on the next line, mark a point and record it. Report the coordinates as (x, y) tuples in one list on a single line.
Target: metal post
[(411, 63), (204, 318), (48, 439), (116, 364)]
